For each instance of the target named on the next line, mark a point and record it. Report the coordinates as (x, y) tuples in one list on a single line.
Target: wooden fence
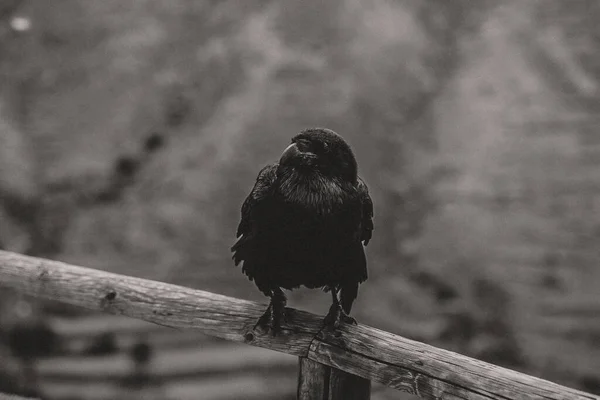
[(332, 365)]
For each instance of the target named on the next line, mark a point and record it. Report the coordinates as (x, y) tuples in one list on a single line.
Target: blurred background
[(131, 132)]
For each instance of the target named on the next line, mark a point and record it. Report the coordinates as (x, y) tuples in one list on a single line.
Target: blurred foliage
[(131, 133)]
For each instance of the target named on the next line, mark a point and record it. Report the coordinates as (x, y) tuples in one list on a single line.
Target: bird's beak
[(289, 153), (294, 153)]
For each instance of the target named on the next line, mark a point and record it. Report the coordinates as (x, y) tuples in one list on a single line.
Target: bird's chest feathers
[(312, 192)]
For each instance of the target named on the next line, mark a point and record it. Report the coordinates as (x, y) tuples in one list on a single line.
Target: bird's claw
[(270, 323), (335, 316), (264, 322)]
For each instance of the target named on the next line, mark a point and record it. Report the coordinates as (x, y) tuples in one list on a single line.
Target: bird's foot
[(264, 322), (270, 321), (337, 315)]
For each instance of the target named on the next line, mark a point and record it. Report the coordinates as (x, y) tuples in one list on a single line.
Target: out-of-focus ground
[(131, 131)]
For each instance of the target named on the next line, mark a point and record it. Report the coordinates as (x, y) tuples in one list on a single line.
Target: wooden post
[(317, 381), (313, 380), (345, 386)]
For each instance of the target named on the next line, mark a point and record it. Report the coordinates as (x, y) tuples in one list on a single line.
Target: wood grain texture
[(404, 364), (317, 381), (161, 303), (313, 380), (427, 371)]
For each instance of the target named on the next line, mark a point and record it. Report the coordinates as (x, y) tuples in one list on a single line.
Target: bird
[(306, 222)]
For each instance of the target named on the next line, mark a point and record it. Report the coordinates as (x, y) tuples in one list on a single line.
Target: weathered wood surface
[(161, 303), (376, 355), (427, 371), (313, 380), (317, 381)]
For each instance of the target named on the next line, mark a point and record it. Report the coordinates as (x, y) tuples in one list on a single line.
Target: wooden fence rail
[(333, 365)]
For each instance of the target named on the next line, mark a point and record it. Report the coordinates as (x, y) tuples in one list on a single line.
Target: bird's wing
[(262, 188), (367, 212)]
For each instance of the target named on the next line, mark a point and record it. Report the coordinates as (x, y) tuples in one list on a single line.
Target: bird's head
[(321, 150)]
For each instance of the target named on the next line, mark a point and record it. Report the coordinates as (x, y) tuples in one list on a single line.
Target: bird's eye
[(325, 147)]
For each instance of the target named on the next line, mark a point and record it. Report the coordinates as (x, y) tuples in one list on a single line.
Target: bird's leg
[(279, 302), (274, 314), (336, 313)]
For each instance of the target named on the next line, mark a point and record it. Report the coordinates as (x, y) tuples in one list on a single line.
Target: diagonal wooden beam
[(370, 353)]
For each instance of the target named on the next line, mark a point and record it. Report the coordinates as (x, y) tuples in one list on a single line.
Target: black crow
[(304, 224)]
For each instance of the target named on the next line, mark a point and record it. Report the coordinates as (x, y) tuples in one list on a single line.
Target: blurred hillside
[(130, 133)]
